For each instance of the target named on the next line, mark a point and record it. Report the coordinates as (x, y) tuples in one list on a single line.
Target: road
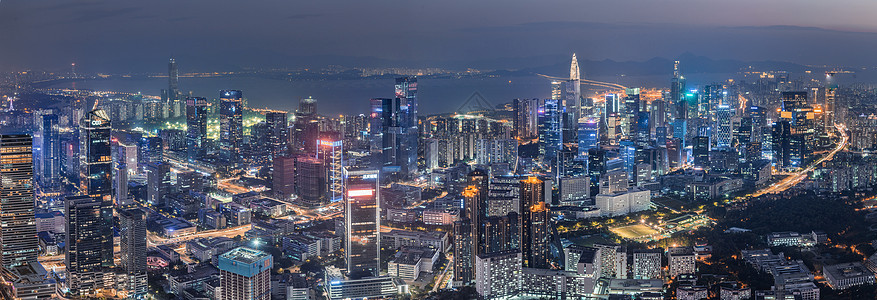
[(155, 240), (440, 281), (802, 174)]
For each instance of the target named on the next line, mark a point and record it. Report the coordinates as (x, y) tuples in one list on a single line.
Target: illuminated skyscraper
[(362, 218), (677, 91), (158, 183), (196, 127), (84, 243), (331, 152), (173, 89), (536, 226), (18, 230), (306, 127), (550, 139), (278, 132), (231, 127), (96, 169), (394, 129), (526, 118), (132, 232), (589, 136), (50, 153)]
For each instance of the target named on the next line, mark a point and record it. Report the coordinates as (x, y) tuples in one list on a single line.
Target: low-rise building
[(843, 276), (411, 261), (623, 202), (689, 292), (398, 238)]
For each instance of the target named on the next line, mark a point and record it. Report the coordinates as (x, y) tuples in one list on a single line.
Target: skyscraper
[(394, 130), (96, 169), (231, 126), (278, 132), (550, 139), (306, 127), (173, 89), (536, 227), (526, 118), (677, 91), (196, 127), (331, 151), (245, 274), (85, 245), (50, 152), (18, 230), (589, 136), (158, 182), (362, 219), (132, 234)]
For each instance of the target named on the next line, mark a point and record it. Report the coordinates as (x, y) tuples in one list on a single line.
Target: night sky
[(133, 36)]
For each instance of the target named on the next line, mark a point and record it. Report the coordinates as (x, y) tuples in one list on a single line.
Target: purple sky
[(118, 36)]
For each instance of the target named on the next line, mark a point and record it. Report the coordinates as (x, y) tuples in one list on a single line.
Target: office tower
[(173, 89), (392, 138), (794, 100), (589, 135), (17, 222), (310, 180), (782, 144), (701, 152), (306, 127), (278, 132), (536, 227), (331, 151), (245, 274), (231, 127), (196, 127), (50, 152), (283, 178), (722, 131), (526, 120), (550, 139), (571, 108), (677, 89), (631, 114), (406, 93), (158, 182), (362, 244), (132, 233), (122, 198), (646, 264), (658, 113), (96, 169), (85, 244)]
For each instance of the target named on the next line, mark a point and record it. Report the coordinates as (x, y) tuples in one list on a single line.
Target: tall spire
[(676, 69), (574, 69)]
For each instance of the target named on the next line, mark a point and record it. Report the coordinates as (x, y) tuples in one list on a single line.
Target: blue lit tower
[(550, 139), (96, 169), (406, 95), (677, 91), (589, 135), (231, 126), (50, 153), (196, 127)]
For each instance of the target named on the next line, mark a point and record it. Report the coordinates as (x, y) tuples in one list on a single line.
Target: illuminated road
[(155, 240), (440, 281), (802, 174)]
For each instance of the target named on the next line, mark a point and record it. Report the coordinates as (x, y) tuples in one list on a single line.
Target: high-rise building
[(278, 132), (283, 179), (50, 153), (362, 219), (245, 274), (231, 126), (331, 151), (196, 127), (646, 264), (394, 129), (306, 127), (132, 232), (571, 106), (550, 139), (310, 180), (677, 91), (701, 152), (589, 135), (536, 224), (173, 89), (17, 222), (158, 183), (122, 198), (526, 120), (96, 169), (782, 144), (499, 274), (85, 245)]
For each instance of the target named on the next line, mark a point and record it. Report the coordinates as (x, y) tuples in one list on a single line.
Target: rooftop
[(245, 255)]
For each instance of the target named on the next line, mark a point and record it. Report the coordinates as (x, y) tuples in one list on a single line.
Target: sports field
[(633, 231)]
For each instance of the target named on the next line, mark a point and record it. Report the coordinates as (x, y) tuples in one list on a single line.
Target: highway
[(155, 240), (802, 174)]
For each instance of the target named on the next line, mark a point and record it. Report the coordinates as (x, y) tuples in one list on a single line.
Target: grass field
[(633, 231)]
